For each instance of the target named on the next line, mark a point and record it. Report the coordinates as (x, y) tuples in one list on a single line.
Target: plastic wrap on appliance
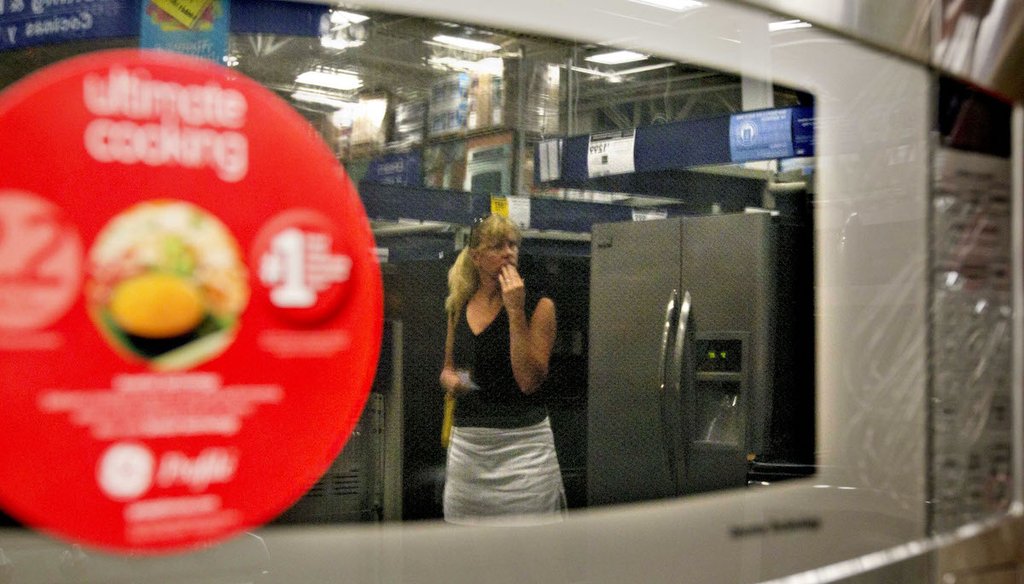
[(972, 316)]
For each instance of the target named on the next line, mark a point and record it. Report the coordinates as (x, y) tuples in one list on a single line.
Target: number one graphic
[(285, 266)]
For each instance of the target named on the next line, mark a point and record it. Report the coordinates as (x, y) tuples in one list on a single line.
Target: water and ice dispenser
[(721, 398)]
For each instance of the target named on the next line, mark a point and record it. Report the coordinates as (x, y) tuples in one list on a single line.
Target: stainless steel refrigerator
[(701, 354)]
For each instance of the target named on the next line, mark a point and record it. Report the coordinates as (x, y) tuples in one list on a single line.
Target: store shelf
[(396, 202), (402, 202), (677, 146), (465, 135)]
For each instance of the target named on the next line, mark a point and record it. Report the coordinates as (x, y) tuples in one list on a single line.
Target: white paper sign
[(649, 214), (611, 153), (519, 211), (549, 160)]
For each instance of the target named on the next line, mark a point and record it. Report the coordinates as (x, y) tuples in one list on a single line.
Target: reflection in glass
[(436, 116), (431, 119)]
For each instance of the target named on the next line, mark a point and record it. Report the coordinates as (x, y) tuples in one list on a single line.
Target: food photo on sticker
[(166, 284)]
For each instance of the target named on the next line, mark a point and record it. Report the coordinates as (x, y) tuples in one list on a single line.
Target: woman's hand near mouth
[(513, 292)]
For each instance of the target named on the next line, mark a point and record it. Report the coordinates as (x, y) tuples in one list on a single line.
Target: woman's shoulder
[(535, 298), (535, 295)]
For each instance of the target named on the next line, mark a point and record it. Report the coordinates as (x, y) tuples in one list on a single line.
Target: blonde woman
[(502, 466)]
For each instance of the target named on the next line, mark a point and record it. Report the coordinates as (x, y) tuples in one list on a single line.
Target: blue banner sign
[(404, 168), (803, 131), (27, 23), (762, 135)]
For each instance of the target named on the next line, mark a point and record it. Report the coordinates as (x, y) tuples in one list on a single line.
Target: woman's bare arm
[(531, 344), (449, 377)]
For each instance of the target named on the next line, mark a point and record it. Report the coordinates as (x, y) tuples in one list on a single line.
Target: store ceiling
[(394, 52)]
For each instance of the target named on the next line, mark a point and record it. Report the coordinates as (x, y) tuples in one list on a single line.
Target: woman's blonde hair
[(462, 276)]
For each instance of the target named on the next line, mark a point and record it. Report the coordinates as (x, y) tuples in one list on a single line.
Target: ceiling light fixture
[(331, 79), (617, 57), (611, 77), (644, 68), (339, 44), (345, 31), (467, 44), (490, 65), (343, 17)]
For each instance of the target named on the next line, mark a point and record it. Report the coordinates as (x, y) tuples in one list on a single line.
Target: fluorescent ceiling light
[(340, 80), (341, 34), (787, 25), (339, 44), (673, 5), (468, 44), (491, 65), (617, 77), (612, 77), (644, 68), (342, 17), (616, 57)]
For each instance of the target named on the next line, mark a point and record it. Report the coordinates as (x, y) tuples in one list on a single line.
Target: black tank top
[(499, 403)]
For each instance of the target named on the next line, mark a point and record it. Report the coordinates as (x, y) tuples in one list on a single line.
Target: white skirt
[(503, 476)]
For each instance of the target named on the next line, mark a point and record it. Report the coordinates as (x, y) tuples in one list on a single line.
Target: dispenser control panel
[(719, 355)]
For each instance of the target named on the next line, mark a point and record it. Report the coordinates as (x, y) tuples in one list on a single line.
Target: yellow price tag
[(186, 12), (499, 206)]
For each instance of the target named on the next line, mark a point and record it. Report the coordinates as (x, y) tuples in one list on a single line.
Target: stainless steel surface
[(393, 426), (31, 558), (630, 279), (676, 422), (352, 489), (872, 211), (650, 439), (989, 553), (901, 27), (1017, 288), (740, 295), (972, 312), (978, 40), (670, 310)]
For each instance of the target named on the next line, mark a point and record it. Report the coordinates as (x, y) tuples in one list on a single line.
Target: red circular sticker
[(190, 303)]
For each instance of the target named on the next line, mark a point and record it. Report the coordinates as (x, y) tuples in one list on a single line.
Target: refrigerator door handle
[(684, 319), (670, 308), (672, 409)]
